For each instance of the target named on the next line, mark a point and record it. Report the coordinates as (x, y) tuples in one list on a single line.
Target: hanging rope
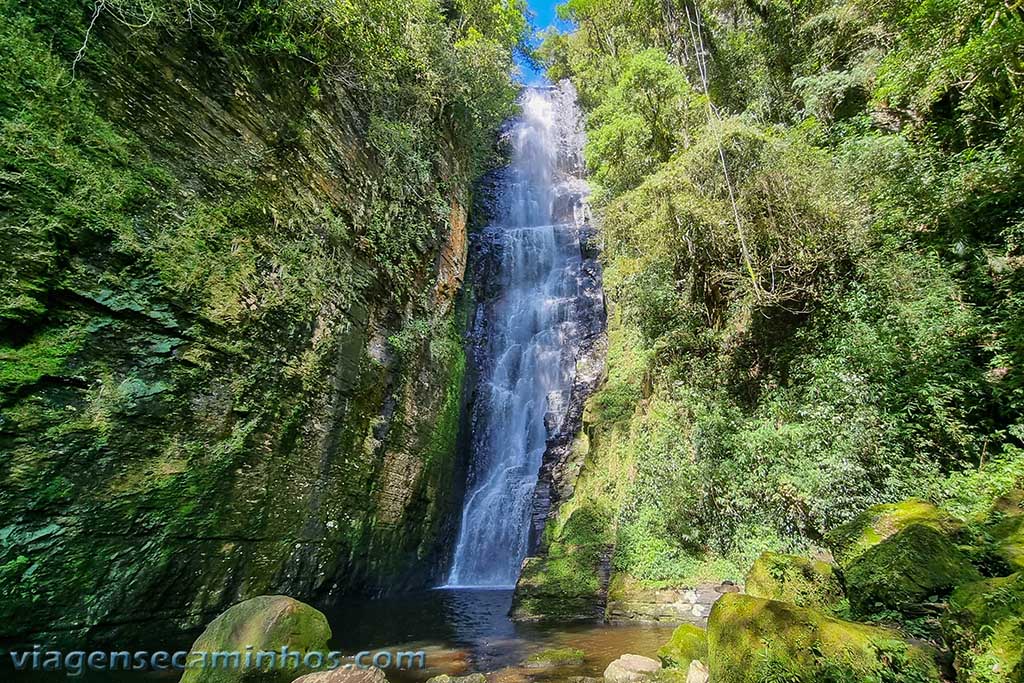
[(697, 39)]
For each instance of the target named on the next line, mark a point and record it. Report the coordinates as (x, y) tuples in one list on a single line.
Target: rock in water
[(266, 623), (631, 669), (790, 578), (697, 673), (345, 675), (689, 642), (751, 640)]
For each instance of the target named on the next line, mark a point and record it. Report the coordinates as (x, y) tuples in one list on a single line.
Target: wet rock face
[(185, 457), (630, 602), (536, 343), (560, 465)]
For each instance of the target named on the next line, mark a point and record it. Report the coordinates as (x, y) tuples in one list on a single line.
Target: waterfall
[(528, 335)]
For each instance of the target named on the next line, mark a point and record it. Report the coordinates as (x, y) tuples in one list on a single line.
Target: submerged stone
[(751, 640), (985, 627), (879, 522), (266, 623), (554, 657), (907, 569), (688, 642), (799, 580)]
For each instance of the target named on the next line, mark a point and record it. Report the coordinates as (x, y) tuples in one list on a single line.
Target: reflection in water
[(466, 630)]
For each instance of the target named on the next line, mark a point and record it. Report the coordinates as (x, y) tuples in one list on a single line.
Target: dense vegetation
[(812, 222), (226, 317)]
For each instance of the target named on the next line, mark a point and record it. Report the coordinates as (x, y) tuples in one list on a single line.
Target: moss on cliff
[(214, 228)]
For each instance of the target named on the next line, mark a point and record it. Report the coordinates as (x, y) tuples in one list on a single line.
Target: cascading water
[(528, 336)]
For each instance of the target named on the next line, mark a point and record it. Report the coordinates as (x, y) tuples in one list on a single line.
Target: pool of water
[(468, 630), (461, 631)]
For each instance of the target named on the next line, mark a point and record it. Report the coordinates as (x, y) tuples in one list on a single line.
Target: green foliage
[(207, 206), (641, 121), (820, 280)]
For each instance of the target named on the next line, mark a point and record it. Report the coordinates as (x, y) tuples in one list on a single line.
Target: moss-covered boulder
[(688, 642), (1006, 527), (266, 623), (753, 640), (877, 523), (907, 569), (985, 627), (799, 580)]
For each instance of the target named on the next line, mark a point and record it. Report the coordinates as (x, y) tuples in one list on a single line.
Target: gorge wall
[(231, 355)]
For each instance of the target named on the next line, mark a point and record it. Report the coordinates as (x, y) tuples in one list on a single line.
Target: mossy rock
[(562, 586), (906, 570), (877, 523), (688, 642), (267, 622), (751, 640), (1006, 527), (791, 578), (554, 657), (985, 627)]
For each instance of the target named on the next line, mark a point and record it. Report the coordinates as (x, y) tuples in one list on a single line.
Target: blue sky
[(544, 16)]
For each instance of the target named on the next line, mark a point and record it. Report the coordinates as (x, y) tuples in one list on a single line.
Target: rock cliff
[(233, 382)]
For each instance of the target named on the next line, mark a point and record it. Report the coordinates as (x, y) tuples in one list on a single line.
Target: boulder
[(554, 657), (877, 523), (688, 642), (697, 672), (631, 669), (1006, 527), (799, 580), (752, 640), (345, 675), (267, 623), (985, 627), (907, 569)]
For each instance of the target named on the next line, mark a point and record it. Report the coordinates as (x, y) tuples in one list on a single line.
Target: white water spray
[(530, 338)]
